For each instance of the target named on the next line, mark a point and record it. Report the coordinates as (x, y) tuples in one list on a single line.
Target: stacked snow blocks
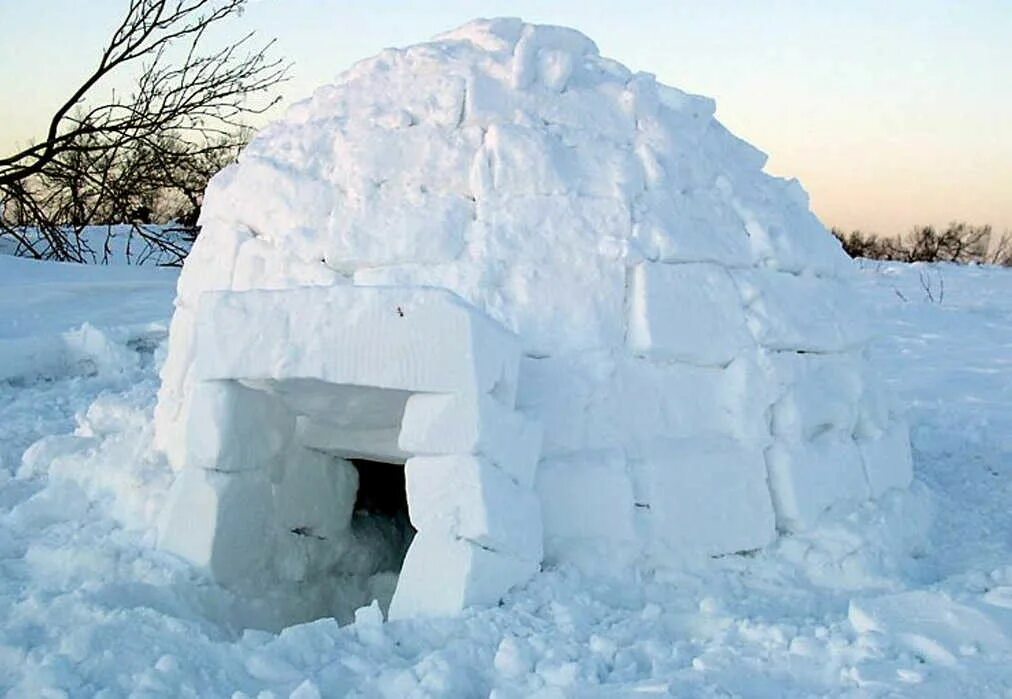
[(687, 333), (835, 436), (742, 405), (290, 383)]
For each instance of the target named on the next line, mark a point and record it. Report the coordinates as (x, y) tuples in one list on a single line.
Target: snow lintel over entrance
[(289, 383)]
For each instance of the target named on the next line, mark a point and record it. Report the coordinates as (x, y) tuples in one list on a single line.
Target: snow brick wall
[(561, 293)]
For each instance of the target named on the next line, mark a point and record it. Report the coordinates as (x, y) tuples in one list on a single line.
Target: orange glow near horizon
[(890, 114)]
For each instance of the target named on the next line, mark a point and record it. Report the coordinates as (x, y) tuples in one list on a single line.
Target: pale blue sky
[(890, 113)]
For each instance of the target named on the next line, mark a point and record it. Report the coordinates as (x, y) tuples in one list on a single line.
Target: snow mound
[(627, 282)]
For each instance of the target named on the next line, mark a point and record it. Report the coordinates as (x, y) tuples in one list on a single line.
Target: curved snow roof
[(512, 164)]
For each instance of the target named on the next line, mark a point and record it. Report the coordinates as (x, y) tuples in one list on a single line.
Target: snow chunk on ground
[(934, 627)]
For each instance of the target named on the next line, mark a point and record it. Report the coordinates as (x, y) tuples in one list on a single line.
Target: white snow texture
[(649, 339)]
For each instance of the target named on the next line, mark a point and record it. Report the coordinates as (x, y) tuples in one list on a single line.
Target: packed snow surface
[(909, 596), (674, 338)]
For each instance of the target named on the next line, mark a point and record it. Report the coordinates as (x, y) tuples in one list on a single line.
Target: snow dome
[(495, 300)]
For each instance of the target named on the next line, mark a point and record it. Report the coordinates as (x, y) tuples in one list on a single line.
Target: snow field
[(878, 599), (585, 303)]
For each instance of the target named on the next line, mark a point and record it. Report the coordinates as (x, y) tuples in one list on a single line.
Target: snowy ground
[(911, 597)]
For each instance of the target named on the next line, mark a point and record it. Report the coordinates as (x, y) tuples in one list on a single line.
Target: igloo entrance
[(349, 526), (300, 392)]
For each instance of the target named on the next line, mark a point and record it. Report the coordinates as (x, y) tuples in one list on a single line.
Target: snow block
[(729, 401), (708, 496), (467, 498), (800, 312), (442, 575), (315, 496), (220, 522), (587, 496), (536, 40), (887, 459), (234, 428), (525, 161), (352, 421), (821, 392), (434, 151), (313, 503), (269, 198), (420, 228), (688, 228), (375, 444), (807, 478), (783, 232), (418, 339), (687, 312), (580, 304), (457, 424)]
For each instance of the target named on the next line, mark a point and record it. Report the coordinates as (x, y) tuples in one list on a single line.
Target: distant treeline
[(958, 242)]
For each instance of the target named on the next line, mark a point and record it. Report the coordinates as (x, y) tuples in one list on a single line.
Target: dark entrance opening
[(381, 513), (380, 488)]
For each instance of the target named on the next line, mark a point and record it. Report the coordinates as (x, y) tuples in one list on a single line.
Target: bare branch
[(104, 160)]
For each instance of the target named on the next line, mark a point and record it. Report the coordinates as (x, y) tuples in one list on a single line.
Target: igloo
[(552, 305)]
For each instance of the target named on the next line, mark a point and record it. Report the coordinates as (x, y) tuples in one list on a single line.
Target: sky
[(892, 113)]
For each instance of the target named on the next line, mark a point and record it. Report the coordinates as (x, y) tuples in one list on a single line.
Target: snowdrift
[(559, 295)]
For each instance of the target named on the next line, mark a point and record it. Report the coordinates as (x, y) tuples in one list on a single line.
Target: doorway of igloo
[(348, 527), (292, 387)]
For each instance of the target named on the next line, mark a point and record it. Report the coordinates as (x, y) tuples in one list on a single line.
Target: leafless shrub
[(858, 244), (959, 242)]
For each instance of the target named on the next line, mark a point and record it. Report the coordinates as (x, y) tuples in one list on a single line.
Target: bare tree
[(117, 159), (957, 243)]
